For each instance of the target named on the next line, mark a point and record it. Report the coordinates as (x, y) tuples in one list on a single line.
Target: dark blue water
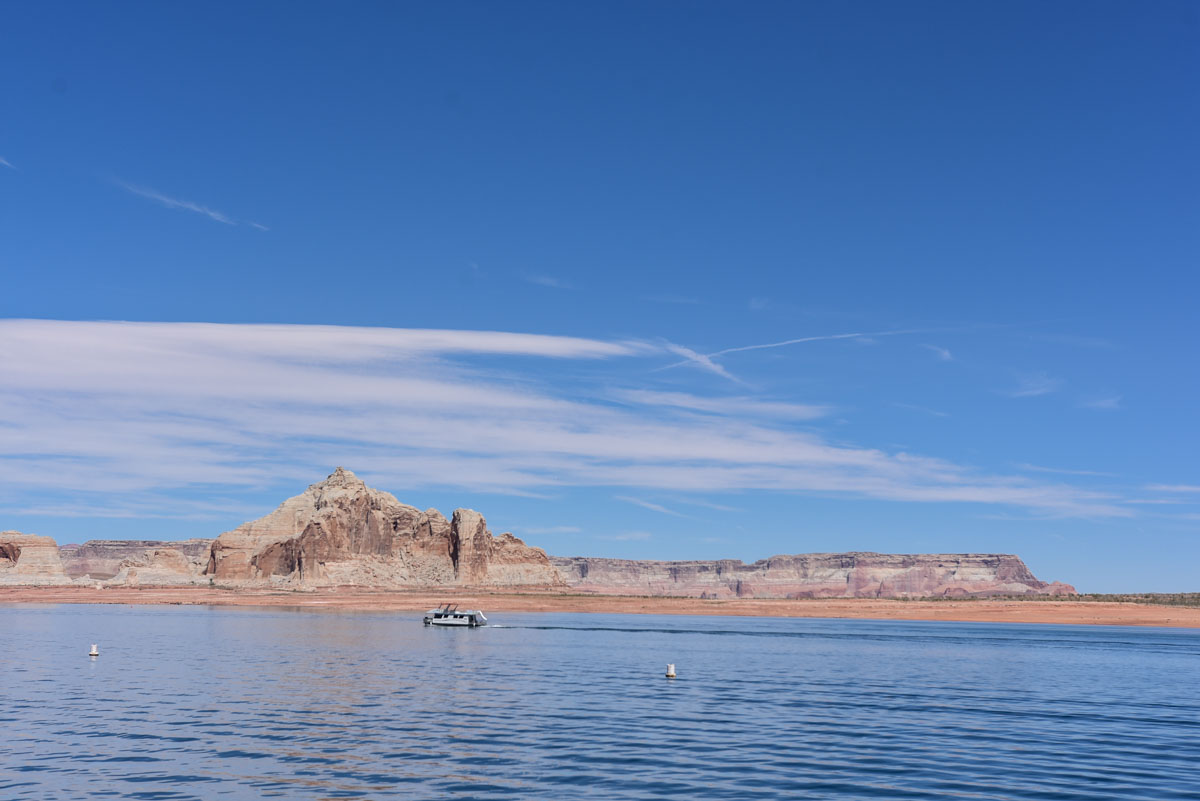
[(221, 703)]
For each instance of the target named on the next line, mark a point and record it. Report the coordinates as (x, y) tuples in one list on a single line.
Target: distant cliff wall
[(819, 575), (340, 532)]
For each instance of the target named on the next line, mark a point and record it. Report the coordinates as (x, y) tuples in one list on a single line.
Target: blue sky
[(522, 257)]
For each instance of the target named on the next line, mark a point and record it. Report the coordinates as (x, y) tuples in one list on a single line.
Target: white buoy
[(670, 671), (95, 651)]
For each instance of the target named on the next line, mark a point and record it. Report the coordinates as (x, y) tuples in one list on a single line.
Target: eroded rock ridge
[(816, 575)]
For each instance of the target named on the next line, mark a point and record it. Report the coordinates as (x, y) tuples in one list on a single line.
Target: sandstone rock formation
[(163, 567), (102, 559), (30, 559), (342, 532), (820, 575)]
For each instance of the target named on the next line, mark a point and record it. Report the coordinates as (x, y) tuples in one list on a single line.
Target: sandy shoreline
[(1069, 612)]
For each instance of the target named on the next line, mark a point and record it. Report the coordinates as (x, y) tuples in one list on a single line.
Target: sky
[(645, 280)]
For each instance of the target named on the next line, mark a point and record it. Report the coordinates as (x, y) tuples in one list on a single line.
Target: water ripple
[(190, 703)]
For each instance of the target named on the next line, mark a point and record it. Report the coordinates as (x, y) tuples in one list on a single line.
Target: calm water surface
[(221, 703)]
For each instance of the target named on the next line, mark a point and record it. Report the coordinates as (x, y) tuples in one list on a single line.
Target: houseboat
[(448, 615)]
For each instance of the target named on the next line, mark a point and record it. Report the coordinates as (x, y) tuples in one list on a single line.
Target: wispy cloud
[(942, 353), (6, 163), (720, 507), (1185, 488), (628, 536), (550, 530), (143, 509), (546, 281), (1075, 340), (679, 300), (1061, 471), (106, 410), (701, 361), (186, 205), (653, 507), (174, 203), (1103, 404), (862, 336), (1033, 385), (922, 409), (786, 342), (736, 406)]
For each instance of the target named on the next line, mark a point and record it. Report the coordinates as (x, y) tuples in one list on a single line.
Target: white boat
[(453, 616)]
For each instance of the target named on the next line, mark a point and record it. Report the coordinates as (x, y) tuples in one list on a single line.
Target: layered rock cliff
[(104, 559), (27, 559), (819, 575), (342, 532)]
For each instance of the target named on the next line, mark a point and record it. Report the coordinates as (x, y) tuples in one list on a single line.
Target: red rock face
[(342, 532), (470, 546), (849, 575)]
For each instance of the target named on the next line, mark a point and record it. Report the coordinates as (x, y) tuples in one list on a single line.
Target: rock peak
[(341, 478), (340, 532)]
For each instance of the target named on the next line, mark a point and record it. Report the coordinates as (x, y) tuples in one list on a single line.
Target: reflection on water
[(236, 703)]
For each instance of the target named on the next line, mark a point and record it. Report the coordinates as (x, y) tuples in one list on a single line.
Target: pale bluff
[(340, 532)]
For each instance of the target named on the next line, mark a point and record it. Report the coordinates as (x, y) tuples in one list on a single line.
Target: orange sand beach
[(987, 611)]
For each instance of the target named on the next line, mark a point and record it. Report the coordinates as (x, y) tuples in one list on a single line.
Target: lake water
[(242, 703)]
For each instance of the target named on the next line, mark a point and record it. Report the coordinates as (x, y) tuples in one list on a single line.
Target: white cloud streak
[(724, 406), (105, 411), (186, 205), (677, 300), (923, 409), (707, 362), (174, 203), (701, 361), (1103, 404), (545, 280), (1061, 471), (628, 536), (6, 163), (798, 341), (653, 507), (1034, 385), (709, 505), (942, 353)]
